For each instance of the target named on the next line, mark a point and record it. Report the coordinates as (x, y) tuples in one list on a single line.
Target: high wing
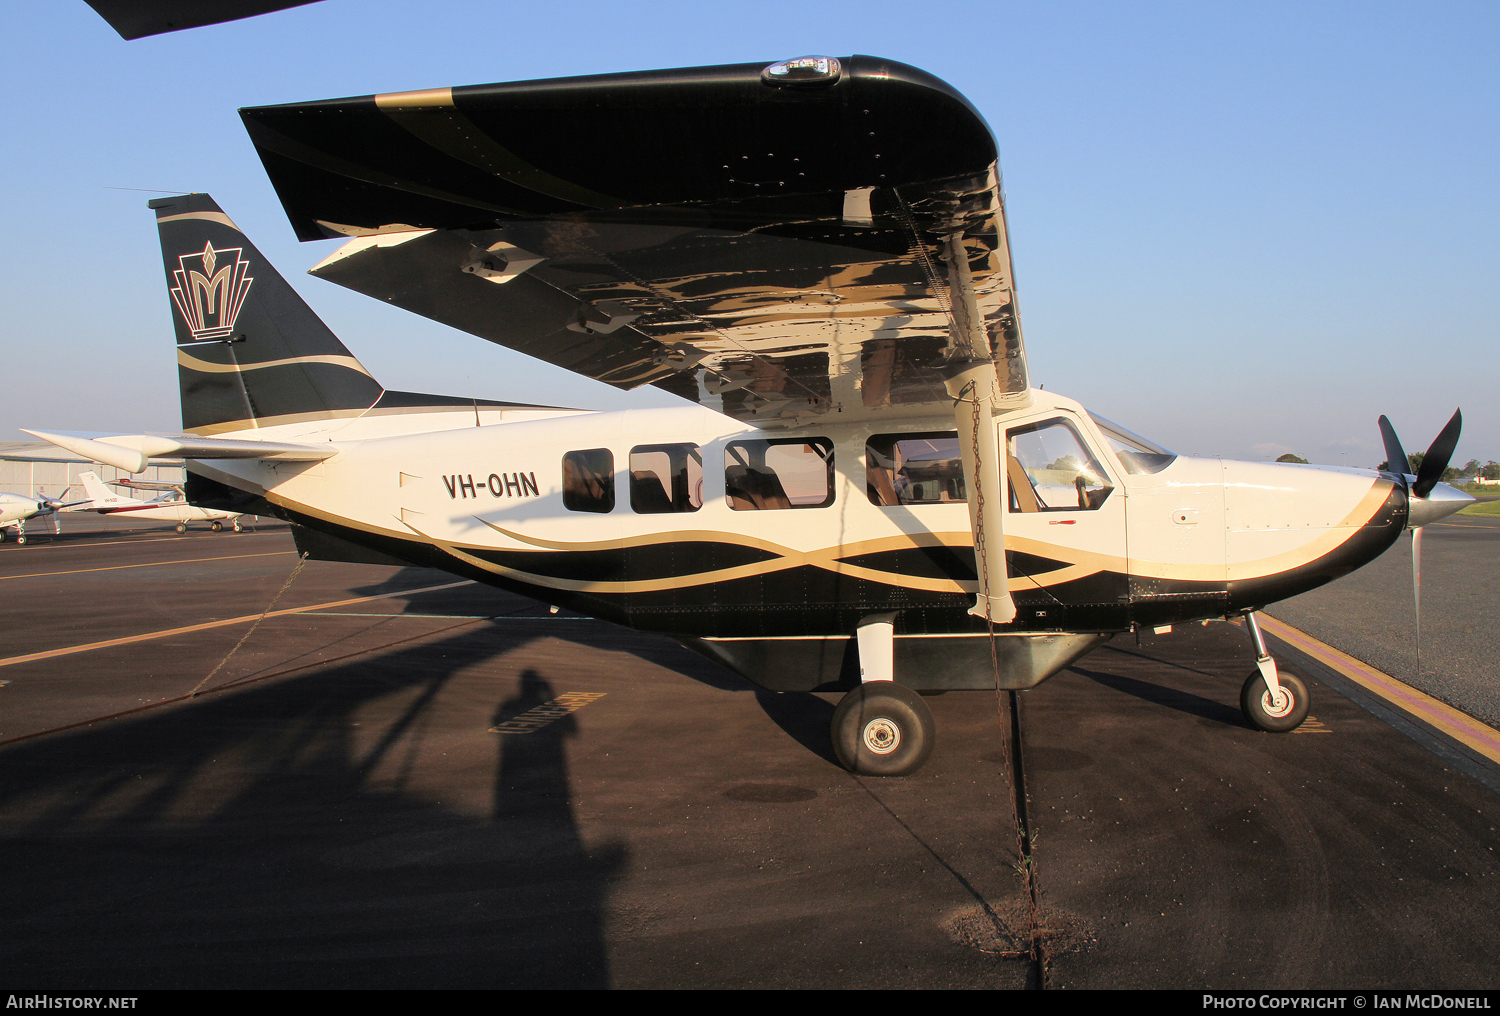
[(774, 242)]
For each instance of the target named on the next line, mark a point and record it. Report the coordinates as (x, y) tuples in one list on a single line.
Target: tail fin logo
[(210, 300)]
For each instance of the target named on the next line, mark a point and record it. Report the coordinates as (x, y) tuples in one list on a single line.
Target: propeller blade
[(1395, 455), (1416, 588), (1436, 459)]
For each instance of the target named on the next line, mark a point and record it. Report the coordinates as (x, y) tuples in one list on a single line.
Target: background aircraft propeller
[(1434, 462)]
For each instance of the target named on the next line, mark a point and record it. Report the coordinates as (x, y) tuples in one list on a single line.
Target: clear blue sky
[(1240, 229)]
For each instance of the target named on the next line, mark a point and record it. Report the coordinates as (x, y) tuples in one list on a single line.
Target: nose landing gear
[(1271, 700)]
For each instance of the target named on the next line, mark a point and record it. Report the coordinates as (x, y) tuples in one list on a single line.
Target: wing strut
[(975, 388)]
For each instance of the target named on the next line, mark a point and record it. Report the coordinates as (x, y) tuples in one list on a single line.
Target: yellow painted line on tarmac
[(146, 564), (548, 712), (1460, 726), (246, 619)]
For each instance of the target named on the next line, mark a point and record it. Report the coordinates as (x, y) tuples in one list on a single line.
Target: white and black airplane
[(169, 506), (862, 491), (18, 509)]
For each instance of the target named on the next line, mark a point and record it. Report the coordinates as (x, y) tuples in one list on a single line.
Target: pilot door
[(1064, 528)]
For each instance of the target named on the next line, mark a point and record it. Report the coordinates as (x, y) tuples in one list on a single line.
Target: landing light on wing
[(804, 70)]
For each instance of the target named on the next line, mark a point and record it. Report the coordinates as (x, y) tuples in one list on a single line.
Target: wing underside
[(774, 251)]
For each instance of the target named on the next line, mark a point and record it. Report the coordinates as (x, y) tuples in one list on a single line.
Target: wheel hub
[(881, 736), (1275, 706)]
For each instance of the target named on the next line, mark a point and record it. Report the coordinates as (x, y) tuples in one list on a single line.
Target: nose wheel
[(1275, 712), (883, 729), (1272, 699)]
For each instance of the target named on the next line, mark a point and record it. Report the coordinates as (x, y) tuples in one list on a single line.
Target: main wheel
[(217, 527), (181, 528), (883, 729), (1266, 713)]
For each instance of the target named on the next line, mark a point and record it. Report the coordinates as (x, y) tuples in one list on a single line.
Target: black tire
[(217, 527), (883, 729), (181, 528), (20, 537), (1255, 701)]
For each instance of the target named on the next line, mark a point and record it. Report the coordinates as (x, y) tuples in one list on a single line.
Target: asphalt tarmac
[(339, 813), (1370, 614)]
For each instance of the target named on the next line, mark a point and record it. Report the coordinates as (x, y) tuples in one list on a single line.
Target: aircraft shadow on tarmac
[(270, 837), (1172, 698), (488, 601)]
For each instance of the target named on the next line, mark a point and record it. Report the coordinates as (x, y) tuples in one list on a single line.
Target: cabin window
[(666, 478), (910, 469), (1051, 469), (787, 473), (589, 481)]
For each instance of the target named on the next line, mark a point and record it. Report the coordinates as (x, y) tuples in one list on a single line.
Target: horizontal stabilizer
[(131, 452), (146, 485)]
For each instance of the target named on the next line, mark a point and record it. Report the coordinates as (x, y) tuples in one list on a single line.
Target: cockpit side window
[(589, 481), (1051, 469), (1136, 454)]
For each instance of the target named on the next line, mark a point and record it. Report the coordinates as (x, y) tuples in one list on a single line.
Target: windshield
[(1135, 453)]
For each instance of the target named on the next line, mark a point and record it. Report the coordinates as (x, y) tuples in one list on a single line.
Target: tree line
[(1468, 471)]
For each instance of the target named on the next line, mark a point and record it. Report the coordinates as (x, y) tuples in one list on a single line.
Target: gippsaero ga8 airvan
[(862, 492)]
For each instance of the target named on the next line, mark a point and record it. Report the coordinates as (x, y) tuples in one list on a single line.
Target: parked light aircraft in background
[(169, 507), (863, 492), (18, 509)]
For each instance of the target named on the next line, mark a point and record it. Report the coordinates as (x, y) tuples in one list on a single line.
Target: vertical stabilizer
[(250, 352), (96, 491)]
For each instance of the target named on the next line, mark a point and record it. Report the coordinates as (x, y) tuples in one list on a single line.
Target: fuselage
[(16, 508), (161, 511), (664, 534)]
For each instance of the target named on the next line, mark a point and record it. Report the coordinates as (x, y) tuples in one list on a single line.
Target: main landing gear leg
[(881, 728), (1272, 700)]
